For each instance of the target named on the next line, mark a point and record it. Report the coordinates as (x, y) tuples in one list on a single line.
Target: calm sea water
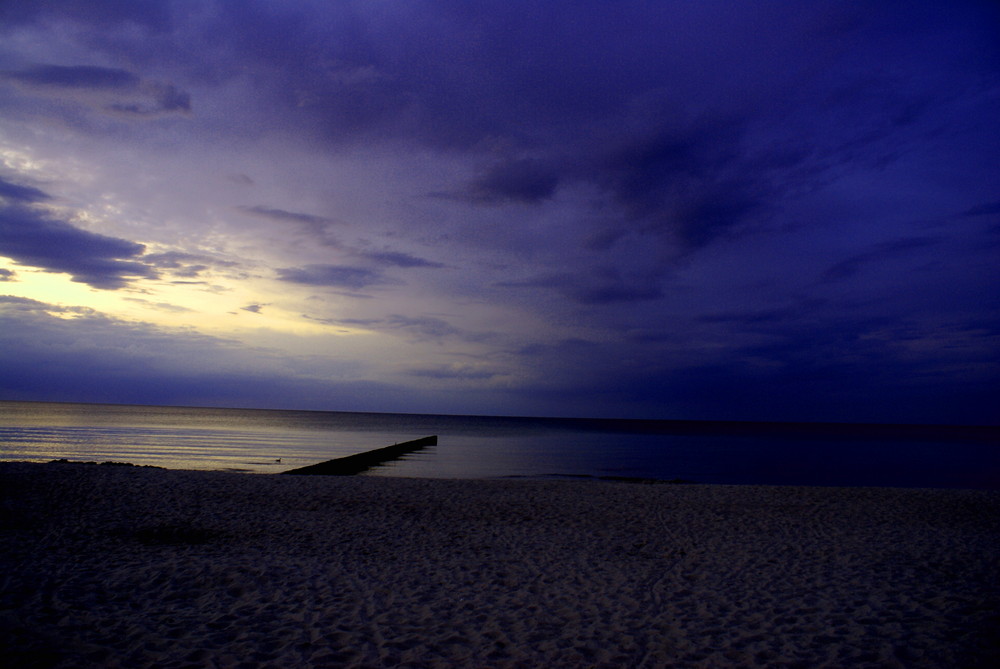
[(494, 447)]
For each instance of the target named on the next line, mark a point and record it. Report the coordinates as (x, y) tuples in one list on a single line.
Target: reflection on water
[(490, 447)]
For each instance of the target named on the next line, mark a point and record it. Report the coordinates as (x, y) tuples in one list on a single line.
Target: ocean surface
[(252, 440)]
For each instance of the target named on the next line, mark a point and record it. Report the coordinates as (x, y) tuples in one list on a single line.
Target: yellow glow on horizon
[(53, 288), (216, 309)]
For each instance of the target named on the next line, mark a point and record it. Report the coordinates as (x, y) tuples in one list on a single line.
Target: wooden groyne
[(355, 464)]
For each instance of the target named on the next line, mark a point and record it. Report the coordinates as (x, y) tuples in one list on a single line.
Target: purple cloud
[(524, 181), (75, 76), (117, 90), (283, 216), (31, 237), (661, 208), (396, 259), (597, 287), (21, 193), (335, 276)]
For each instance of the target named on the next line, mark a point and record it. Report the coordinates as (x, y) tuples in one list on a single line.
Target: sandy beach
[(109, 566)]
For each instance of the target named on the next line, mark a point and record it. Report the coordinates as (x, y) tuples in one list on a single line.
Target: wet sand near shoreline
[(133, 567)]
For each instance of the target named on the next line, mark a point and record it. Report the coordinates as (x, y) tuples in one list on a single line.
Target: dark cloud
[(717, 211), (396, 259), (318, 227), (189, 271), (7, 275), (31, 237), (254, 308), (525, 181), (180, 259), (627, 100), (611, 292), (452, 372), (754, 320), (427, 327), (596, 287), (422, 328), (680, 183), (985, 209), (681, 171), (879, 253), (113, 89), (13, 303), (283, 216), (572, 346), (798, 364), (683, 182), (340, 322), (185, 265), (647, 168), (21, 193), (417, 328), (933, 371), (150, 14), (474, 82), (76, 76), (163, 99), (335, 276)]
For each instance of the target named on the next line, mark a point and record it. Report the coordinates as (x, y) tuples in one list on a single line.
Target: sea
[(493, 447)]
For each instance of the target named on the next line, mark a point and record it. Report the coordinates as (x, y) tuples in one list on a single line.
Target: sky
[(711, 210)]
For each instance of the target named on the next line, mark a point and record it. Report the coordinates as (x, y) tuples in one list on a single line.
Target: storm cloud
[(670, 209), (32, 237)]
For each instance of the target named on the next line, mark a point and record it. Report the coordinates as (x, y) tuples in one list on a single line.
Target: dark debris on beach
[(106, 463)]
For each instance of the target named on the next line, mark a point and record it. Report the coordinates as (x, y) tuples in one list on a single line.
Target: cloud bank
[(683, 210)]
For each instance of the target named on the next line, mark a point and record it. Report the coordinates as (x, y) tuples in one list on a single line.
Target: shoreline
[(136, 566), (709, 452), (554, 476)]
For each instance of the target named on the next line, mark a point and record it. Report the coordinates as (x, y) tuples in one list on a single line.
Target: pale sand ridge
[(127, 567)]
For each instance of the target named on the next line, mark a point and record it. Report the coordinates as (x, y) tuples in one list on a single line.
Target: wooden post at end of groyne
[(355, 464)]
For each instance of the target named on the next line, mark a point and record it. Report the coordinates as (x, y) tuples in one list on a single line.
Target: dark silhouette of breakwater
[(355, 464)]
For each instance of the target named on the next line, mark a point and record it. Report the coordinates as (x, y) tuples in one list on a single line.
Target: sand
[(129, 567)]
